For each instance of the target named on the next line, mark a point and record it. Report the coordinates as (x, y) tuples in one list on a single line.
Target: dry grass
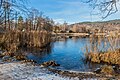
[(13, 40), (107, 70), (110, 52), (107, 57)]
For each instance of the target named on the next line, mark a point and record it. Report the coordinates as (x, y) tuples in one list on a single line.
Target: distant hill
[(96, 22), (111, 25)]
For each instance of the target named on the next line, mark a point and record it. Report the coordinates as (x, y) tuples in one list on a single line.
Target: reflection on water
[(69, 53), (36, 52)]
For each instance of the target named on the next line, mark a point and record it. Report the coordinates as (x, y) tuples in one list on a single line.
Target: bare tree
[(106, 7), (8, 8)]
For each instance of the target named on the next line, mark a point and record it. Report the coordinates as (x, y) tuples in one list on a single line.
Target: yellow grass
[(107, 57), (13, 40)]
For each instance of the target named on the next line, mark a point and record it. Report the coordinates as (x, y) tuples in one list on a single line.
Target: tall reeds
[(104, 48), (14, 40)]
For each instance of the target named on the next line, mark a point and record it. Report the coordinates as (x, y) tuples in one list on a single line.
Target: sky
[(70, 11)]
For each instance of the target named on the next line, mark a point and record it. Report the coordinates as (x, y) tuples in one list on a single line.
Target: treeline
[(89, 27), (22, 27), (14, 15)]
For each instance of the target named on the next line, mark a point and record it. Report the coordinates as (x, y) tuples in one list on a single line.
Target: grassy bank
[(105, 49), (110, 57), (14, 40)]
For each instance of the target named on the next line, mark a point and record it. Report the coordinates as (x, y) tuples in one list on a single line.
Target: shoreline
[(26, 71), (84, 34), (23, 71)]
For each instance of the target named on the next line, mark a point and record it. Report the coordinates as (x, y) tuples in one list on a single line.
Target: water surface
[(69, 53)]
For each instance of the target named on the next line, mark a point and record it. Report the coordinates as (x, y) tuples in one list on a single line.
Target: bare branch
[(106, 7)]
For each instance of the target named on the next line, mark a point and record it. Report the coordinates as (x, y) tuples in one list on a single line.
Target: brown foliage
[(107, 69), (108, 57), (13, 40)]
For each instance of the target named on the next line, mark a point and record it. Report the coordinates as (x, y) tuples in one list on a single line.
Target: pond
[(69, 53)]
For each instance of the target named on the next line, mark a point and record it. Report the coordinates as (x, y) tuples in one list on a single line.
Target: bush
[(107, 69)]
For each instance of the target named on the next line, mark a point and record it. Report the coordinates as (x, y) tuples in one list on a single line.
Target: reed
[(108, 53), (14, 40)]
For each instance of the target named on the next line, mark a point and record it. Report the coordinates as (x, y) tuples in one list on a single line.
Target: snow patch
[(19, 71)]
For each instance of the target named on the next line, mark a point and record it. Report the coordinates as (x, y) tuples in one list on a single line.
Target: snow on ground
[(26, 71)]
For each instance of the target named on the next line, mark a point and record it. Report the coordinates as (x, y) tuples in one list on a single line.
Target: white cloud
[(61, 21), (92, 17)]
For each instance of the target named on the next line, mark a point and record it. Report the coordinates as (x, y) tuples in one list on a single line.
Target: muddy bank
[(83, 75), (105, 71)]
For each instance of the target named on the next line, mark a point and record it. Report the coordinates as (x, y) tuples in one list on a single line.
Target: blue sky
[(71, 11)]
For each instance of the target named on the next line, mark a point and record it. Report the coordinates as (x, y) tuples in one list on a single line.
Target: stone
[(98, 70), (20, 57), (1, 56), (8, 54), (49, 63), (116, 69), (6, 58), (55, 64)]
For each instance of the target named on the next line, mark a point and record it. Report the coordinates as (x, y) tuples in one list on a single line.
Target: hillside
[(111, 25)]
